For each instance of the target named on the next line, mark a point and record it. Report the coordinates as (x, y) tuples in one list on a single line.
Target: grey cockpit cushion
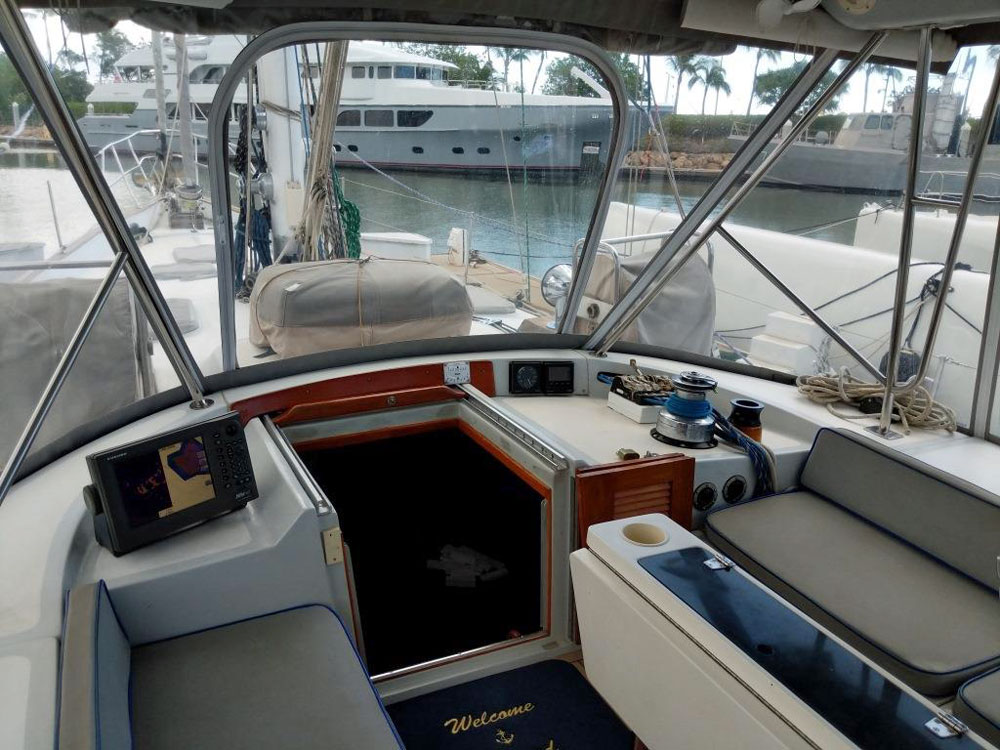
[(978, 705), (290, 679), (287, 679), (922, 621), (945, 516)]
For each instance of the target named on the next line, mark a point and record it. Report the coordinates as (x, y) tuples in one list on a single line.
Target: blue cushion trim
[(102, 588), (364, 670), (971, 706), (835, 617), (59, 668)]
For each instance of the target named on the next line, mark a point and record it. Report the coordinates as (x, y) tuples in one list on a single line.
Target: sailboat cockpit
[(376, 377)]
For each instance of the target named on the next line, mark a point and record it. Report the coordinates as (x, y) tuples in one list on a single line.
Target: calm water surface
[(532, 222)]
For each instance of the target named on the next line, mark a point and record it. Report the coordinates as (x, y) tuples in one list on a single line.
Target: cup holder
[(644, 534)]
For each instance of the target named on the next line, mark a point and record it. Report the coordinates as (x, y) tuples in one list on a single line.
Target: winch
[(686, 419)]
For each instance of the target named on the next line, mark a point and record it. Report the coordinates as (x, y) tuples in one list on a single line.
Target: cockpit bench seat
[(978, 705), (288, 679), (895, 558)]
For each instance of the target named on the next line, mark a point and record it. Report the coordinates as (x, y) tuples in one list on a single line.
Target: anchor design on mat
[(504, 738)]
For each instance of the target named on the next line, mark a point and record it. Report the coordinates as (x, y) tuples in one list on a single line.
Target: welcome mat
[(545, 706)]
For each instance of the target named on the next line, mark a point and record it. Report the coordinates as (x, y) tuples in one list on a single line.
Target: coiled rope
[(916, 408)]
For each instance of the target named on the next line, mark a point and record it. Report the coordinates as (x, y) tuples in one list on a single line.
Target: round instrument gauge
[(528, 378)]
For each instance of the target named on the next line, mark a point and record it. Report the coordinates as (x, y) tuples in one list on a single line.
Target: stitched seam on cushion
[(858, 633)]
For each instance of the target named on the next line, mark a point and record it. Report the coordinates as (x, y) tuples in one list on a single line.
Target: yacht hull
[(875, 171), (478, 138)]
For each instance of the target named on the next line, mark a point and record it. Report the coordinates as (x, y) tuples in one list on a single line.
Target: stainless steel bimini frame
[(659, 271), (29, 64), (689, 237), (325, 31)]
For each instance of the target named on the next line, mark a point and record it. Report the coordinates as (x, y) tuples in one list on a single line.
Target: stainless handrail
[(657, 274), (606, 248), (892, 388)]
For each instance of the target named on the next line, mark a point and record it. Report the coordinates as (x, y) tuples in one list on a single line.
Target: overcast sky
[(738, 66)]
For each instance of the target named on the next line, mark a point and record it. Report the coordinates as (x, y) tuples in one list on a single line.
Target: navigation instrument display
[(172, 478), (150, 489)]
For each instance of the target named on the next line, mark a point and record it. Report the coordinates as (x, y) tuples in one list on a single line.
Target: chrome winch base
[(687, 420)]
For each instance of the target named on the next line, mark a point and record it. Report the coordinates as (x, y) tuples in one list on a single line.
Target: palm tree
[(771, 56), (682, 65), (509, 55), (541, 63), (891, 74), (874, 69), (705, 71), (716, 79)]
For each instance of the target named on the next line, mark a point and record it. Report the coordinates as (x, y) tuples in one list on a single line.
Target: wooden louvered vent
[(661, 484)]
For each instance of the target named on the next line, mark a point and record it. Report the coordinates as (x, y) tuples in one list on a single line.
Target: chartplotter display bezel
[(141, 494)]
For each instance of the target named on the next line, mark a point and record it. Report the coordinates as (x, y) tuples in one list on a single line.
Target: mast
[(184, 112), (186, 209), (161, 96)]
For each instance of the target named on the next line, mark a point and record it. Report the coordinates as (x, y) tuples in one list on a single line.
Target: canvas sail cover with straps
[(301, 308)]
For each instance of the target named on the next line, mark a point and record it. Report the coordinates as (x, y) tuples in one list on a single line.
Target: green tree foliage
[(470, 66), (72, 85), (110, 45), (772, 84), (69, 58), (560, 80)]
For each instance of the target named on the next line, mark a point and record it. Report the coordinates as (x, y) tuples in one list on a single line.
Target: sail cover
[(301, 308)]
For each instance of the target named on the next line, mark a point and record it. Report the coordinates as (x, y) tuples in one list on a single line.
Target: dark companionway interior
[(445, 544)]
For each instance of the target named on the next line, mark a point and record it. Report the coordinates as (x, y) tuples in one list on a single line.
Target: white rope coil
[(914, 409)]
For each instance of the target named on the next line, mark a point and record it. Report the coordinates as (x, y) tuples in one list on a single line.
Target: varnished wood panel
[(661, 484), (383, 383)]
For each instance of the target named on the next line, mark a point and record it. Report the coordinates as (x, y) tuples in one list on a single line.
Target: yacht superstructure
[(398, 110)]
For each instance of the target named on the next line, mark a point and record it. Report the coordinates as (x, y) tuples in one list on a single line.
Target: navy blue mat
[(545, 706)]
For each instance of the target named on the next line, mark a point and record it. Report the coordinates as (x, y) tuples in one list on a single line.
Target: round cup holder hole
[(644, 534)]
